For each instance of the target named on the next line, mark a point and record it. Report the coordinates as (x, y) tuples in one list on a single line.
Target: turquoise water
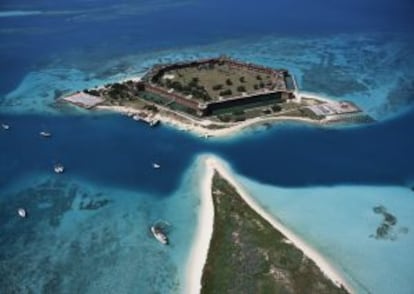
[(323, 183), (342, 226), (333, 66), (109, 244)]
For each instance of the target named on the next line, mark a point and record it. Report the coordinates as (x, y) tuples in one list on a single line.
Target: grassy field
[(216, 80), (247, 255)]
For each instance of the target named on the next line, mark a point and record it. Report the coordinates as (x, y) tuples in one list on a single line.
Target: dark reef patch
[(401, 96), (331, 80), (61, 248), (92, 204), (386, 230)]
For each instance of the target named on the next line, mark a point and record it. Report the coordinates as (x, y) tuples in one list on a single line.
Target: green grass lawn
[(220, 78)]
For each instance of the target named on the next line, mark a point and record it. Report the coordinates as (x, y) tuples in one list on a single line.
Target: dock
[(83, 100), (334, 108), (145, 117)]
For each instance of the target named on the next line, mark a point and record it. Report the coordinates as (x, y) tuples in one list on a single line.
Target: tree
[(259, 77), (176, 85), (241, 89), (242, 80), (152, 108), (94, 92), (229, 82)]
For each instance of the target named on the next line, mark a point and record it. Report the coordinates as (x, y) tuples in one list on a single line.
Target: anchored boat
[(45, 134), (5, 126), (59, 168), (159, 235), (159, 231), (156, 165), (22, 212)]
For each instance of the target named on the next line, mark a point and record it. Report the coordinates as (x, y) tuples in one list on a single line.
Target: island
[(239, 248), (214, 97)]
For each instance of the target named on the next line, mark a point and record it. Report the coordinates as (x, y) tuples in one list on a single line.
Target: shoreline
[(199, 251), (204, 233), (196, 128)]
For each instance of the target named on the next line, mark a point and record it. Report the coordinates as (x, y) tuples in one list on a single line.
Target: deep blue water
[(358, 50), (114, 149), (95, 30)]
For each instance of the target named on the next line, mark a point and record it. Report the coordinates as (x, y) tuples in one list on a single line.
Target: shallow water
[(340, 222), (361, 52)]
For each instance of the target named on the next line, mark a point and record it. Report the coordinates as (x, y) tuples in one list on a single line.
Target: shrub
[(259, 77), (226, 92), (118, 86), (217, 87), (229, 82), (238, 112), (224, 118), (276, 108), (242, 80)]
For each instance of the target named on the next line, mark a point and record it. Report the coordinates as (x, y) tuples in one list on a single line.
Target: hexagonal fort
[(210, 86)]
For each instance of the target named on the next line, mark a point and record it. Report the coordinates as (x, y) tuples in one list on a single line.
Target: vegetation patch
[(248, 255)]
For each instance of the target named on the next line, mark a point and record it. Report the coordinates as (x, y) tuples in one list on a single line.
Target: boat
[(59, 168), (156, 165), (22, 212), (45, 134), (154, 122), (5, 126), (159, 235)]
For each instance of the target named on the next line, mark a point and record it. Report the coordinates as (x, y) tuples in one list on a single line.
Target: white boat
[(22, 212), (154, 122), (159, 235), (5, 126), (45, 134), (58, 168), (156, 165)]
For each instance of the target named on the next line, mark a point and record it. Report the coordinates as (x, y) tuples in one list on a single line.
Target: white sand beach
[(199, 251), (199, 128), (203, 236)]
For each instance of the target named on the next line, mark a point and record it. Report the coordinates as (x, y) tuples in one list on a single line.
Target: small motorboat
[(59, 168), (156, 165), (22, 212), (159, 235), (45, 134), (154, 122), (5, 126)]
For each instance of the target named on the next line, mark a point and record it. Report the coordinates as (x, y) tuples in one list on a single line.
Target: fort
[(210, 86), (213, 96)]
